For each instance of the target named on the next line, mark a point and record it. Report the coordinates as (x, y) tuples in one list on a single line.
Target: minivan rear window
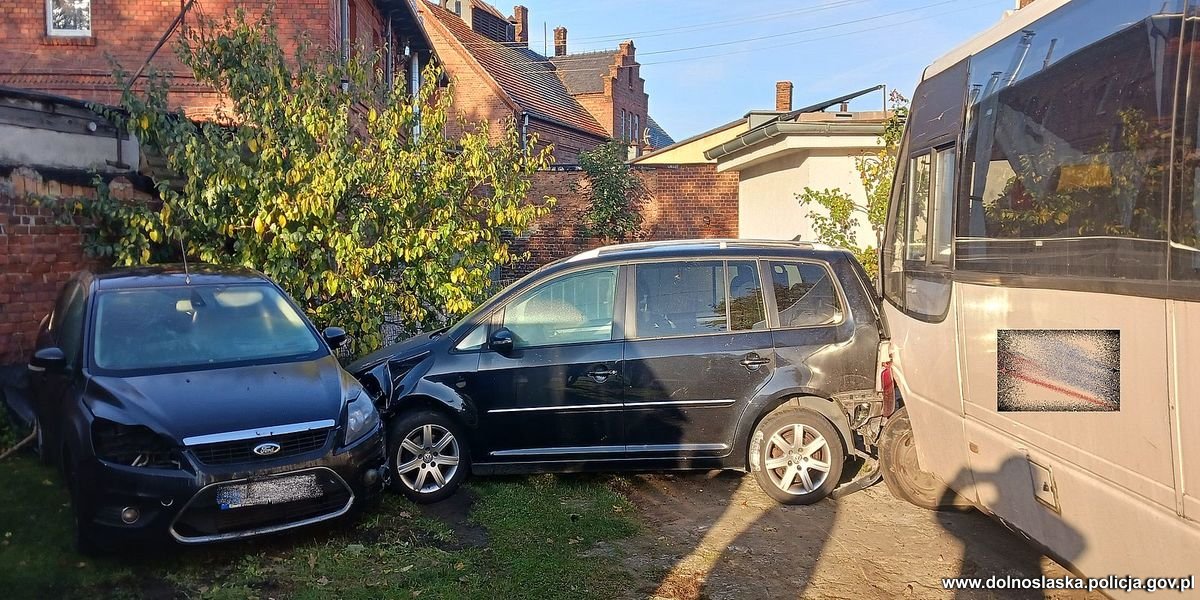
[(805, 294)]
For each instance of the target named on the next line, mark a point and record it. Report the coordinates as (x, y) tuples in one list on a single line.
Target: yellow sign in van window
[(1084, 176)]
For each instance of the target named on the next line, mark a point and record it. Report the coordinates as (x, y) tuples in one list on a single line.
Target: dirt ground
[(718, 536)]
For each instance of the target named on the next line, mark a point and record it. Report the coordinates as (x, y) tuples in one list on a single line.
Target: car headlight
[(361, 418), (132, 445)]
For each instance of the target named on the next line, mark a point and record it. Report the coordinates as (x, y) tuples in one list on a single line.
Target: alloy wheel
[(427, 458), (797, 459)]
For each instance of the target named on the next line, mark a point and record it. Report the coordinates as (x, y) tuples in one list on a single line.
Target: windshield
[(195, 326)]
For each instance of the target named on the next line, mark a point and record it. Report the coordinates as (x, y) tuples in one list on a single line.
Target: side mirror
[(48, 359), (501, 341), (334, 336)]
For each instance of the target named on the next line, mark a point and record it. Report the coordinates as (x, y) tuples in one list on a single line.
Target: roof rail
[(721, 243)]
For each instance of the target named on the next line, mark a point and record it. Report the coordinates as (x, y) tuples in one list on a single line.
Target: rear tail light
[(888, 388)]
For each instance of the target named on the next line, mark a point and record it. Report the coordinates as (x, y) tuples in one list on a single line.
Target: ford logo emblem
[(266, 449)]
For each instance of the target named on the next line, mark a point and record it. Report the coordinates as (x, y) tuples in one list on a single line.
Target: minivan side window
[(679, 299), (745, 296), (572, 309), (805, 294)]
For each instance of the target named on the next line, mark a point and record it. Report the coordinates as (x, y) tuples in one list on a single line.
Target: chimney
[(521, 16), (783, 96), (560, 41), (1023, 3)]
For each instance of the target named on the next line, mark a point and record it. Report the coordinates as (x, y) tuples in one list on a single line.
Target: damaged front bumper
[(201, 504)]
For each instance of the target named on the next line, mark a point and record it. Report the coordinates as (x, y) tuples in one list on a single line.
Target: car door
[(697, 350), (556, 395), (52, 390)]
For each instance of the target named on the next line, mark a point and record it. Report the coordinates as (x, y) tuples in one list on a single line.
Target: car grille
[(242, 451), (204, 519)]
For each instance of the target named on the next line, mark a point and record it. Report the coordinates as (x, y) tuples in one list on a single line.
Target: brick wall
[(37, 255), (686, 201)]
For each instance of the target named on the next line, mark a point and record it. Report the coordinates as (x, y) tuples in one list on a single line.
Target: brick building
[(63, 46), (573, 101)]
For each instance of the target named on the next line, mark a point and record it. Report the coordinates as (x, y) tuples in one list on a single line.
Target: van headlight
[(361, 418)]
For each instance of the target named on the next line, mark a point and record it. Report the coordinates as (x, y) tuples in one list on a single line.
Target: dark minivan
[(197, 404), (701, 354)]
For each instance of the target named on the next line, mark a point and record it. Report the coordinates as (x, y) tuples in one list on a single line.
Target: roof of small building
[(584, 72), (527, 77), (659, 138)]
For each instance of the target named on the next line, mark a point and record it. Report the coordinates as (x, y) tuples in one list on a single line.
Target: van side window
[(1068, 156), (679, 298), (917, 219), (804, 294), (941, 239), (572, 309)]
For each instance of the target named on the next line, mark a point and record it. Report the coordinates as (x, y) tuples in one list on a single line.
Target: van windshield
[(197, 326)]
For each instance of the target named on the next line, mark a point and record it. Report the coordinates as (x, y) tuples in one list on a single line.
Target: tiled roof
[(584, 73), (659, 138), (526, 76), (491, 9)]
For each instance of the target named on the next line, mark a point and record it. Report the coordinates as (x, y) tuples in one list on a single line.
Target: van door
[(697, 350)]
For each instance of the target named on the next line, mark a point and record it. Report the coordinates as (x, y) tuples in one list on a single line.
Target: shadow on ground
[(717, 536)]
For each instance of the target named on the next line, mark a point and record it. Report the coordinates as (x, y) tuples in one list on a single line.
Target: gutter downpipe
[(390, 49)]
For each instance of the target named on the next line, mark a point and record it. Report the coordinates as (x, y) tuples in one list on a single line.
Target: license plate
[(269, 491)]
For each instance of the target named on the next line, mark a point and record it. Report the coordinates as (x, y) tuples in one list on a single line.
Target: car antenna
[(187, 276)]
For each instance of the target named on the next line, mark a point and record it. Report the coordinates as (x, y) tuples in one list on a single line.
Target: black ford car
[(199, 406), (704, 354)]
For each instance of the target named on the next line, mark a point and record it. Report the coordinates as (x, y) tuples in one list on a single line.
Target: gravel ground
[(718, 536)]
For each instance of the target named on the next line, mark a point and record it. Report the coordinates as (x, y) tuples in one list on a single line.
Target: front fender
[(445, 395)]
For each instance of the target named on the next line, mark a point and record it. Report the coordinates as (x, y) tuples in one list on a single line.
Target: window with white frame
[(69, 17)]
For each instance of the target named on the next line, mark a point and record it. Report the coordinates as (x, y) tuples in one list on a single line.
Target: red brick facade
[(37, 255), (127, 30), (624, 101), (686, 201)]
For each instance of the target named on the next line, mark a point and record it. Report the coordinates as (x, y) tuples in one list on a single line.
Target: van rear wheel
[(796, 456), (903, 474)]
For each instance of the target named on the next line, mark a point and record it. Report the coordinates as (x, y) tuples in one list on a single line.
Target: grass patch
[(534, 537)]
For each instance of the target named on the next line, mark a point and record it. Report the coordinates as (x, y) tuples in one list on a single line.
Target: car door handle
[(754, 361), (601, 375)]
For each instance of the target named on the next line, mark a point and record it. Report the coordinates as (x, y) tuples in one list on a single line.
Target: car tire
[(428, 455), (791, 472), (903, 474)]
